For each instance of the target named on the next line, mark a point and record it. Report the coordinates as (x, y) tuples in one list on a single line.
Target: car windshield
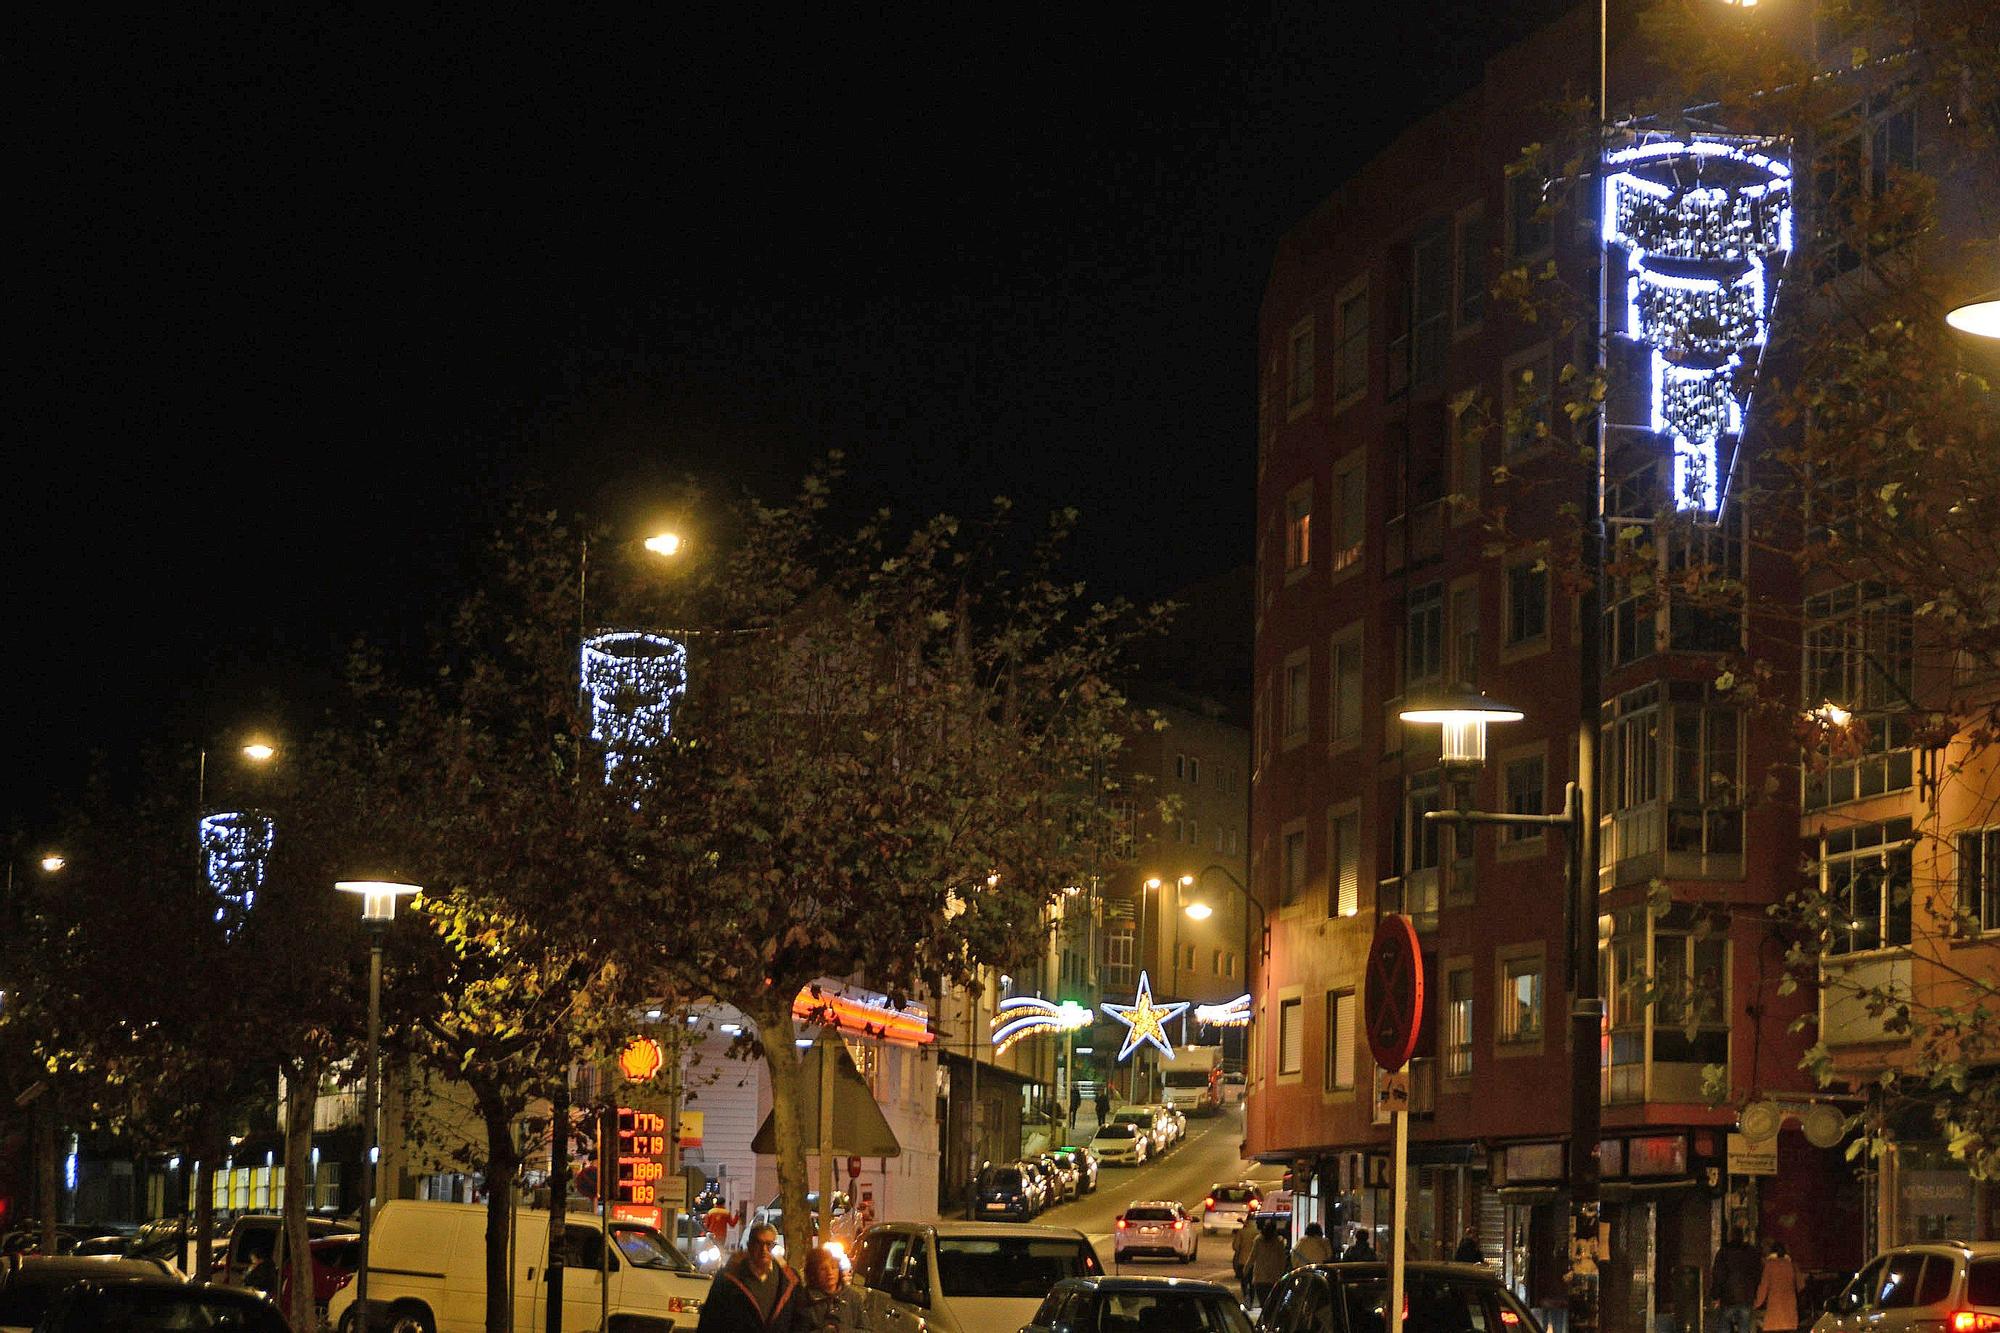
[(1169, 1312), (1022, 1267), (643, 1247), (1115, 1131), (1186, 1078)]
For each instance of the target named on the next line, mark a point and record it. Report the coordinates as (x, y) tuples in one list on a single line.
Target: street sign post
[(1394, 1012)]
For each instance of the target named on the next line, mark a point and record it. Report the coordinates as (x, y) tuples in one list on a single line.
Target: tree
[(886, 766)]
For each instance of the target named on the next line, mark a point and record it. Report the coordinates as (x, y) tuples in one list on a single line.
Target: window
[(1527, 794), (1851, 178), (1630, 750), (1631, 608), (1520, 1013), (1704, 744), (1528, 228), (1118, 954), (1859, 655), (1124, 827), (1229, 964), (1350, 512), (1468, 464), (1421, 838), (1423, 654), (1298, 529), (1430, 305), (1215, 963), (1527, 602), (1705, 580), (1291, 1036), (1347, 685), (1295, 865), (1470, 308), (1180, 768), (1865, 879), (1344, 856), (1340, 1041), (1351, 372), (1979, 878), (1526, 408), (1465, 634), (1193, 771), (1458, 1022), (1298, 699), (1299, 378)]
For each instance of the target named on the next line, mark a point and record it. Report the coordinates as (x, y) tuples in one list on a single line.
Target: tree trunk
[(558, 1197), (48, 1176), (502, 1157), (207, 1134), (777, 1032), (301, 1102)]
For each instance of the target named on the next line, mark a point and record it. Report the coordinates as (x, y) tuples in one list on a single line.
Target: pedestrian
[(831, 1305), (1239, 1255), (1778, 1288), (1075, 1102), (1103, 1104), (754, 1293), (1313, 1247), (1270, 1259), (1468, 1251), (1732, 1281), (1361, 1250), (717, 1221)]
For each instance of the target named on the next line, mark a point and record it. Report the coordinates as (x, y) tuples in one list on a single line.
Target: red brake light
[(1209, 1202), (1179, 1224), (1509, 1318), (1972, 1321), (1121, 1224)]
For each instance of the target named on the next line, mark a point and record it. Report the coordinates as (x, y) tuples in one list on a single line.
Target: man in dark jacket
[(1733, 1281), (754, 1293)]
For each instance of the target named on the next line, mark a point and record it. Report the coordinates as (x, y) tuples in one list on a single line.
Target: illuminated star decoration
[(1032, 1016), (1234, 1014), (1146, 1021)]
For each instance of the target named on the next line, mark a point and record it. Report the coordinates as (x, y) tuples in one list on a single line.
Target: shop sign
[(1752, 1157), (1657, 1155), (1944, 1196), (1534, 1161)]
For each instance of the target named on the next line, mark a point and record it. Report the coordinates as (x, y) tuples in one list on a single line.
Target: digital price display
[(642, 1152)]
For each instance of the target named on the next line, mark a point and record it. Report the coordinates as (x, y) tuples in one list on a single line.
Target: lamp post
[(39, 1095), (1200, 910), (1464, 714), (378, 909)]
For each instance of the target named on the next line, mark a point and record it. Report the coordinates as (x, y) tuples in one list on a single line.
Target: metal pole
[(1139, 958), (972, 1112), (1399, 1207), (825, 1053), (368, 1099)]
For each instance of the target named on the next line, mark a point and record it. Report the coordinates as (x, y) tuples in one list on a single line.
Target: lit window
[(1458, 1022), (1291, 1036), (1350, 514), (1298, 531), (1339, 1041), (1520, 1016), (1979, 879), (1345, 857)]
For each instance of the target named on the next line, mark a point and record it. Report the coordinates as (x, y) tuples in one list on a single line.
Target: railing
[(1683, 840)]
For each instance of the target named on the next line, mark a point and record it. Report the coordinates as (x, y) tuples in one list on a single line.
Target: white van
[(966, 1277), (427, 1270)]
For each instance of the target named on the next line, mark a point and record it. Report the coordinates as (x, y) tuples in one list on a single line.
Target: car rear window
[(1899, 1282), (1143, 1214), (1435, 1304), (1004, 1180), (1982, 1282), (1009, 1266), (1235, 1194), (1169, 1312)]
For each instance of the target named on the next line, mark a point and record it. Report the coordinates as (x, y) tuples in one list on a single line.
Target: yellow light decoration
[(1234, 1014), (1145, 1021)]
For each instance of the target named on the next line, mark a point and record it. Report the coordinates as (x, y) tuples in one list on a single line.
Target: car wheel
[(407, 1318)]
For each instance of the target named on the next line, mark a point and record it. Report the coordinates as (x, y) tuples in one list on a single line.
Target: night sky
[(301, 299)]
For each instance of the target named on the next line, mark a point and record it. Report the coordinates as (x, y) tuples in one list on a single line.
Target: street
[(1206, 1157)]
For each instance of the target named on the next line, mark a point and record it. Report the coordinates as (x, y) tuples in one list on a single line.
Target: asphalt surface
[(1209, 1155)]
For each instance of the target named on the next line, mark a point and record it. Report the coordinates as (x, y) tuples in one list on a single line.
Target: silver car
[(1934, 1287)]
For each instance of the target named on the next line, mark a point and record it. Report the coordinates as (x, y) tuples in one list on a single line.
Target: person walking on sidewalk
[(1239, 1255), (1103, 1104), (1733, 1280), (1270, 1259), (1778, 1288), (1313, 1247), (754, 1293)]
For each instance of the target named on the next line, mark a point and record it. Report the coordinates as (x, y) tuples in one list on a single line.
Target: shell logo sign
[(640, 1060)]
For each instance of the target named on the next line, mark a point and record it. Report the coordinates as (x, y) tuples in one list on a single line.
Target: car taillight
[(1121, 1224), (1209, 1203), (1974, 1321), (1509, 1318), (1179, 1225)]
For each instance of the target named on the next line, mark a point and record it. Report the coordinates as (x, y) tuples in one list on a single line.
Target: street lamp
[(378, 909), (1979, 316), (1464, 714)]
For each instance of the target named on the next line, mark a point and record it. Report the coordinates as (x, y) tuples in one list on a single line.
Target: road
[(1207, 1156)]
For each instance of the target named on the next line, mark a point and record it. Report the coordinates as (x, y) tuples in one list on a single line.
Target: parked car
[(95, 1306), (1147, 1121), (427, 1267), (1121, 1143), (335, 1260), (1040, 1188), (840, 1242), (1062, 1175), (1158, 1227), (31, 1283), (1230, 1207), (1005, 1193), (1085, 1162), (1144, 1304), (1952, 1286), (966, 1277), (1176, 1121), (1437, 1298), (252, 1238)]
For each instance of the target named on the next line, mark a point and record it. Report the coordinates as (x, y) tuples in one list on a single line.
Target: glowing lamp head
[(1153, 882), (664, 543), (259, 752), (1464, 714), (1979, 317), (52, 862), (378, 897), (1833, 715), (1199, 911)]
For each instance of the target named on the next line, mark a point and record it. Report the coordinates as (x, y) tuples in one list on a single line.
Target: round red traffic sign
[(1394, 1006), (853, 1168)]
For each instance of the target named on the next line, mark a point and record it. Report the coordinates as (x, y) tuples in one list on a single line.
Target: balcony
[(1844, 988), (1414, 538), (1670, 840)]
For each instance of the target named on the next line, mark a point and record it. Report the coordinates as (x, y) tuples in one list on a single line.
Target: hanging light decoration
[(634, 680), (235, 850)]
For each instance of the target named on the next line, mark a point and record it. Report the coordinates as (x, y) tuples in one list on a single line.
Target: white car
[(1946, 1284), (1121, 1143), (965, 1277), (1159, 1227), (1234, 1085), (1147, 1121), (1228, 1207)]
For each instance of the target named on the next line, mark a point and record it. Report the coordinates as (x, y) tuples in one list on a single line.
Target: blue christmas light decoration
[(235, 851), (1704, 222), (634, 680)]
